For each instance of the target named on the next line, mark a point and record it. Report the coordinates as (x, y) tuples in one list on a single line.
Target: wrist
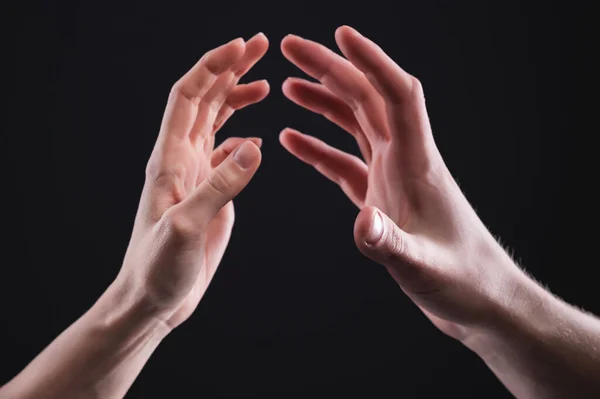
[(521, 311), (122, 311), (537, 344)]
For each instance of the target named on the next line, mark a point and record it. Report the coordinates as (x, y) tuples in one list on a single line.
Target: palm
[(401, 170), (387, 188), (193, 160), (184, 156)]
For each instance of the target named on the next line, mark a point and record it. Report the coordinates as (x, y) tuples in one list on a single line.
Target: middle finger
[(214, 101), (342, 78)]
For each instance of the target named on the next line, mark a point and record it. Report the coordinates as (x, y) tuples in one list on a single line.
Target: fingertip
[(265, 39), (339, 32), (294, 87), (237, 42), (247, 155), (282, 135), (260, 36), (295, 142), (265, 83), (348, 30), (288, 42), (260, 43), (291, 80), (363, 224), (260, 89), (288, 132), (342, 33), (237, 45), (256, 140), (230, 54), (285, 137), (283, 42), (253, 147), (285, 86)]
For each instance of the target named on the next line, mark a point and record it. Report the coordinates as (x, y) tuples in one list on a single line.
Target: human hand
[(185, 214), (414, 219)]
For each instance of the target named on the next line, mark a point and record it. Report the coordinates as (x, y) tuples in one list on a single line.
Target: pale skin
[(181, 230), (413, 219)]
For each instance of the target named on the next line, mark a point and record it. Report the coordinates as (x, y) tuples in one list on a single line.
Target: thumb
[(222, 185), (380, 239)]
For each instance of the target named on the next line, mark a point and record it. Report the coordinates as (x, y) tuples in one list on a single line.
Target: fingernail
[(244, 155), (237, 39), (376, 230)]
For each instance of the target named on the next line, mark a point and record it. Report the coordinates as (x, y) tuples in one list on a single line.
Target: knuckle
[(406, 263), (181, 89), (217, 182), (396, 245), (359, 98), (177, 225), (416, 88), (398, 253), (158, 173), (153, 169), (324, 72), (176, 89)]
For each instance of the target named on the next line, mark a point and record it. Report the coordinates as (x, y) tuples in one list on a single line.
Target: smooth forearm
[(98, 356), (540, 346)]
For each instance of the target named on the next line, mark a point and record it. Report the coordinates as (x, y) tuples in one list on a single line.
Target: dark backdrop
[(295, 309)]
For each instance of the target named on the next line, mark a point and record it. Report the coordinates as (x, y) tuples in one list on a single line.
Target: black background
[(295, 309)]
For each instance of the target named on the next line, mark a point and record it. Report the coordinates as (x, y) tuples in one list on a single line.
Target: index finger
[(335, 72), (391, 81), (342, 78), (196, 82), (187, 92)]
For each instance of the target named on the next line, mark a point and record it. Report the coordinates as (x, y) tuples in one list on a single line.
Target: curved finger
[(342, 78), (406, 111), (348, 171), (227, 147), (215, 98), (187, 92), (391, 81), (256, 48), (317, 98), (194, 214), (241, 96)]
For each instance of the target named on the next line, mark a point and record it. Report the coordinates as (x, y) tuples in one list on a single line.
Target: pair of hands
[(413, 218)]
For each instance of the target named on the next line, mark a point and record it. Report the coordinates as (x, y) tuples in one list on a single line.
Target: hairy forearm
[(98, 356), (541, 347)]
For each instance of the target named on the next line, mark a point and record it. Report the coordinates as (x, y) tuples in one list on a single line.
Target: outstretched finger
[(405, 103), (241, 96), (391, 81), (216, 97), (319, 99), (347, 170), (342, 78), (256, 48), (187, 92)]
